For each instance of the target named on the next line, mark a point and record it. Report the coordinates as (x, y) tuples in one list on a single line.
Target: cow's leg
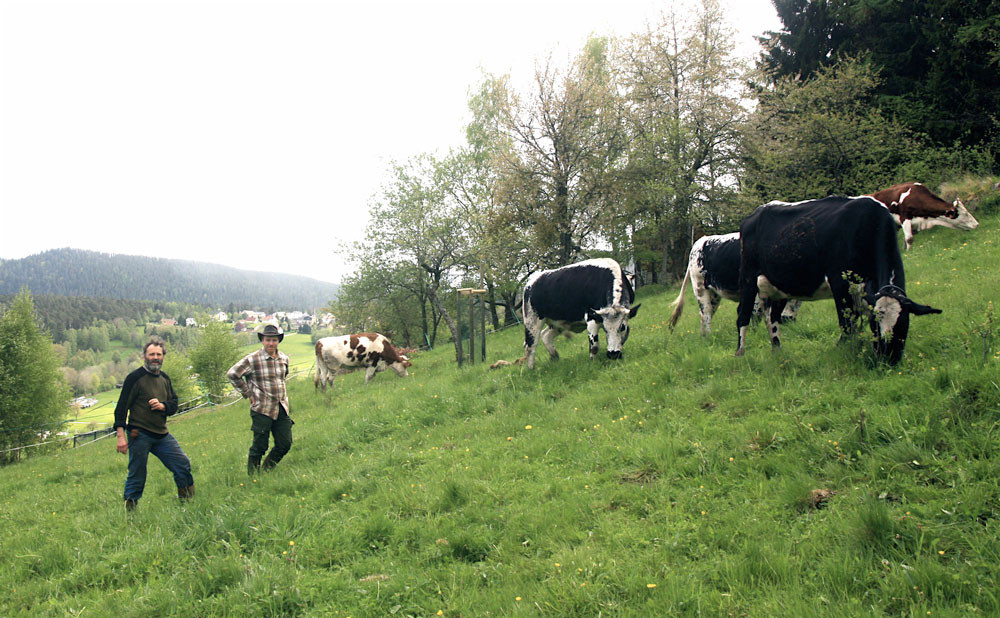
[(748, 294), (908, 233), (772, 316), (329, 373), (370, 373), (708, 303), (791, 311), (532, 327), (548, 339), (593, 330), (322, 375)]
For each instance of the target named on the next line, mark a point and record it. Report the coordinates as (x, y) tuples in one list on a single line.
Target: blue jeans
[(167, 449)]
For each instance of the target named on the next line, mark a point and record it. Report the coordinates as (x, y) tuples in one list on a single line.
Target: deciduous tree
[(682, 85), (213, 356), (33, 393)]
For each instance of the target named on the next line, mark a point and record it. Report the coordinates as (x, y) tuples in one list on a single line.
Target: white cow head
[(400, 366), (964, 221), (614, 320), (890, 321)]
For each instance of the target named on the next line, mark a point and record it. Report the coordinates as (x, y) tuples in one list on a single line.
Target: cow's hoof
[(739, 352)]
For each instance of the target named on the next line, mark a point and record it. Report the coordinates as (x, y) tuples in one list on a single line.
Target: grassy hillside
[(679, 481)]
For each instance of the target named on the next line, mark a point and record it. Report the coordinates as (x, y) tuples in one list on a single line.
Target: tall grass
[(678, 481)]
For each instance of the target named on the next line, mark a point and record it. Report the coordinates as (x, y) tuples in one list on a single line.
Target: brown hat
[(271, 331)]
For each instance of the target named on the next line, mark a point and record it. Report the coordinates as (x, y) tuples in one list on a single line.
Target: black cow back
[(720, 262), (567, 293), (796, 246)]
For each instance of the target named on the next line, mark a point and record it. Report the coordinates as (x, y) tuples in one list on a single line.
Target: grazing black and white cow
[(594, 293), (372, 351), (916, 209), (714, 272), (818, 249)]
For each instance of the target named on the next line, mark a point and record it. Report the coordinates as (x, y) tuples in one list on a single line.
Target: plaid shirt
[(262, 378)]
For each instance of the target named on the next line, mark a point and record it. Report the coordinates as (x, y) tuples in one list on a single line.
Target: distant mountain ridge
[(76, 272)]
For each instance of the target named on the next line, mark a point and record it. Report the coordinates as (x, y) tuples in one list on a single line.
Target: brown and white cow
[(916, 208), (372, 351)]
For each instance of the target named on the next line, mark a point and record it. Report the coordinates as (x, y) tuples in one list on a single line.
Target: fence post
[(482, 320), (458, 325), (472, 327)]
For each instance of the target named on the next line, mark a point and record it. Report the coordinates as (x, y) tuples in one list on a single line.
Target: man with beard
[(146, 400)]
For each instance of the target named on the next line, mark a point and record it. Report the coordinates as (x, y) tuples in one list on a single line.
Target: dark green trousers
[(263, 427)]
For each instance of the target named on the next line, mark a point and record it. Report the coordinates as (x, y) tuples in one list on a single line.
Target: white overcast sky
[(254, 133)]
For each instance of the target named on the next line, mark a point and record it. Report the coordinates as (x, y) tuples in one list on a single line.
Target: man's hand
[(122, 441), (154, 404)]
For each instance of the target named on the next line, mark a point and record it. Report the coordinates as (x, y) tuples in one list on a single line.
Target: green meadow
[(679, 481)]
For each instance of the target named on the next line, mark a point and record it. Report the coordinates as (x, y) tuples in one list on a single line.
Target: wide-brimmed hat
[(271, 331)]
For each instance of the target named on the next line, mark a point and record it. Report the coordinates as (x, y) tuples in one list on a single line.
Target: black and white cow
[(817, 249), (594, 293), (714, 272)]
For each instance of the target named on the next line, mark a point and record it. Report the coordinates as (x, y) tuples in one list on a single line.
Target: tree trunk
[(447, 318), (423, 322), (492, 294)]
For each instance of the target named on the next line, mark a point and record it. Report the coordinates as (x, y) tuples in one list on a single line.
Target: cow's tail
[(678, 304)]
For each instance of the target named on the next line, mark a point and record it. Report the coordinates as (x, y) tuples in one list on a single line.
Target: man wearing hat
[(260, 376)]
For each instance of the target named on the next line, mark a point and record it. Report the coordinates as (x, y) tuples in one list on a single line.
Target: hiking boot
[(130, 505), (253, 465), (185, 493), (269, 463)]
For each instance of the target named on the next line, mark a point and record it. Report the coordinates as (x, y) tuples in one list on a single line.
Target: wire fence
[(89, 437), (195, 403)]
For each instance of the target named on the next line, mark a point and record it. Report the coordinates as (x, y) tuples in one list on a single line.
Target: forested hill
[(74, 272)]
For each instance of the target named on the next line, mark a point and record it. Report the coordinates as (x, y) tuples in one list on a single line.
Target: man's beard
[(153, 366)]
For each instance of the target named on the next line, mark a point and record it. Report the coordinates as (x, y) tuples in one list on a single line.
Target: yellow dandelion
[(509, 439), (651, 585), (527, 426), (291, 543), (559, 565), (941, 552), (517, 598), (704, 512), (440, 611)]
